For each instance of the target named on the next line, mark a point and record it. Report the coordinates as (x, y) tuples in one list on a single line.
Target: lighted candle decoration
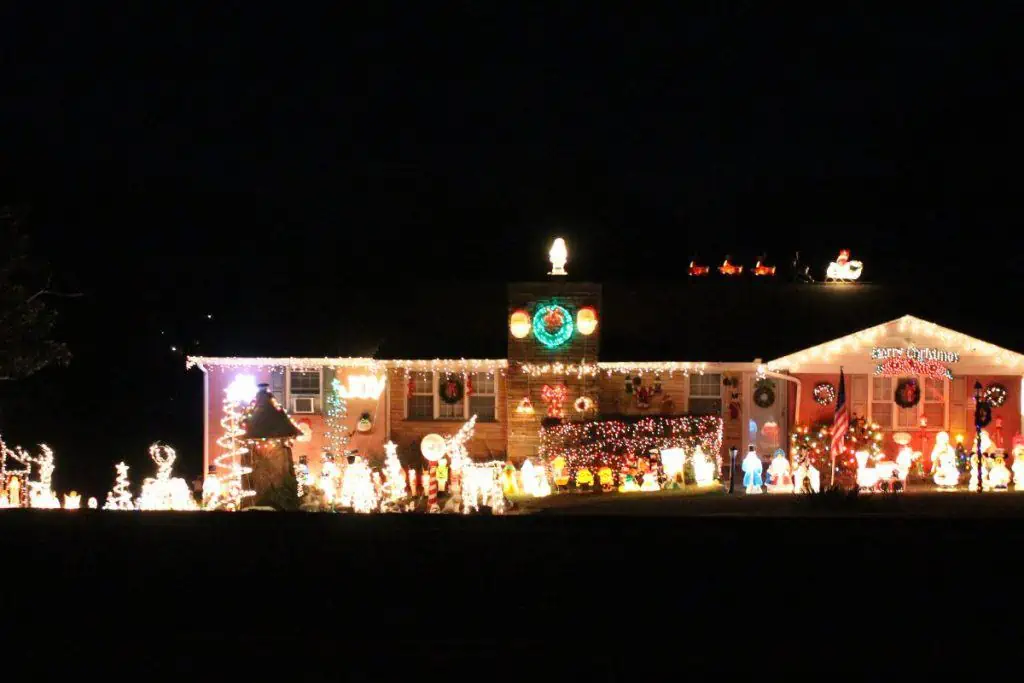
[(559, 254), (698, 270), (761, 270), (843, 269)]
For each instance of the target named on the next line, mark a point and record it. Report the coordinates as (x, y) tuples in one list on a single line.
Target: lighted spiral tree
[(230, 468), (336, 410), (120, 497)]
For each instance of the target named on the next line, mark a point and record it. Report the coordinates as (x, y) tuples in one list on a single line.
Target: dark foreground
[(333, 597)]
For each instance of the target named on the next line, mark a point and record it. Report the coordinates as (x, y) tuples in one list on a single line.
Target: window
[(483, 400), (421, 396), (424, 401), (934, 402), (889, 415), (881, 401), (706, 394), (451, 411), (304, 386), (305, 382)]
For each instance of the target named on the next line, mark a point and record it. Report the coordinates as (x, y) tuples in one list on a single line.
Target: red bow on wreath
[(554, 396)]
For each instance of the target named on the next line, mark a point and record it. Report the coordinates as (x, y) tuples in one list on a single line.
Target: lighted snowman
[(998, 475), (1018, 463), (945, 474), (650, 482)]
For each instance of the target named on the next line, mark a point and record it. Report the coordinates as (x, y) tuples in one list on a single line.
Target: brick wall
[(489, 438), (523, 438)]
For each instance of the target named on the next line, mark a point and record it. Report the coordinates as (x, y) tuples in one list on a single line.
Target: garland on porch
[(610, 443)]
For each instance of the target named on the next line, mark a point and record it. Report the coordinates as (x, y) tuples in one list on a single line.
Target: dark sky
[(258, 166)]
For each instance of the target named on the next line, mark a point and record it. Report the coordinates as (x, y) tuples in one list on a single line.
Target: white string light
[(165, 492), (120, 497)]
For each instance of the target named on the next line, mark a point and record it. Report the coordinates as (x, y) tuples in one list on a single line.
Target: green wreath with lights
[(764, 394), (450, 389), (552, 325)]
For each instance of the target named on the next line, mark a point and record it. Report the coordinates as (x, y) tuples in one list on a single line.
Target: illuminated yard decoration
[(481, 485), (120, 497), (843, 269), (535, 480), (703, 467), (696, 270), (357, 490), (554, 396), (552, 325), (165, 492), (559, 254), (40, 491), (597, 443), (229, 468)]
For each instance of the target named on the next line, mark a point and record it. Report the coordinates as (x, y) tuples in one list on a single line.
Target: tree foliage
[(26, 318)]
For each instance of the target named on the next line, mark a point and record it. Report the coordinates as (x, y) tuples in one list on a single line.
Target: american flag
[(841, 422)]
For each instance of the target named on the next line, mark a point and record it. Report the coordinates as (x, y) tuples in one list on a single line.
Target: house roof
[(699, 321), (905, 324)]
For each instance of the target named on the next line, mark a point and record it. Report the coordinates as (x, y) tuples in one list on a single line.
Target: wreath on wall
[(450, 389), (908, 393), (996, 394), (824, 393), (764, 394), (552, 325)]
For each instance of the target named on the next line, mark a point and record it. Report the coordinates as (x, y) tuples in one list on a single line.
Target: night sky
[(280, 171)]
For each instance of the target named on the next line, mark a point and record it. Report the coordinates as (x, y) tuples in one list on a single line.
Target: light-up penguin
[(752, 467)]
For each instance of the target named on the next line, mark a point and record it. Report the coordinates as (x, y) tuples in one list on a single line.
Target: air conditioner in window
[(303, 404)]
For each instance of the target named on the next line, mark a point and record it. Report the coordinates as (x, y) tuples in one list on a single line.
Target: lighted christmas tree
[(120, 498), (229, 463), (357, 490), (336, 434)]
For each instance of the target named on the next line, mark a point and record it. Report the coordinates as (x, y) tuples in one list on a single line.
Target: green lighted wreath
[(552, 325)]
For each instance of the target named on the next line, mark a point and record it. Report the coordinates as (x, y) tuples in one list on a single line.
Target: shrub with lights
[(813, 442), (619, 443)]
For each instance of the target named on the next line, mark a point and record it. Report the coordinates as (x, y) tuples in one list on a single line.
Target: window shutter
[(958, 405), (277, 384), (859, 395)]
